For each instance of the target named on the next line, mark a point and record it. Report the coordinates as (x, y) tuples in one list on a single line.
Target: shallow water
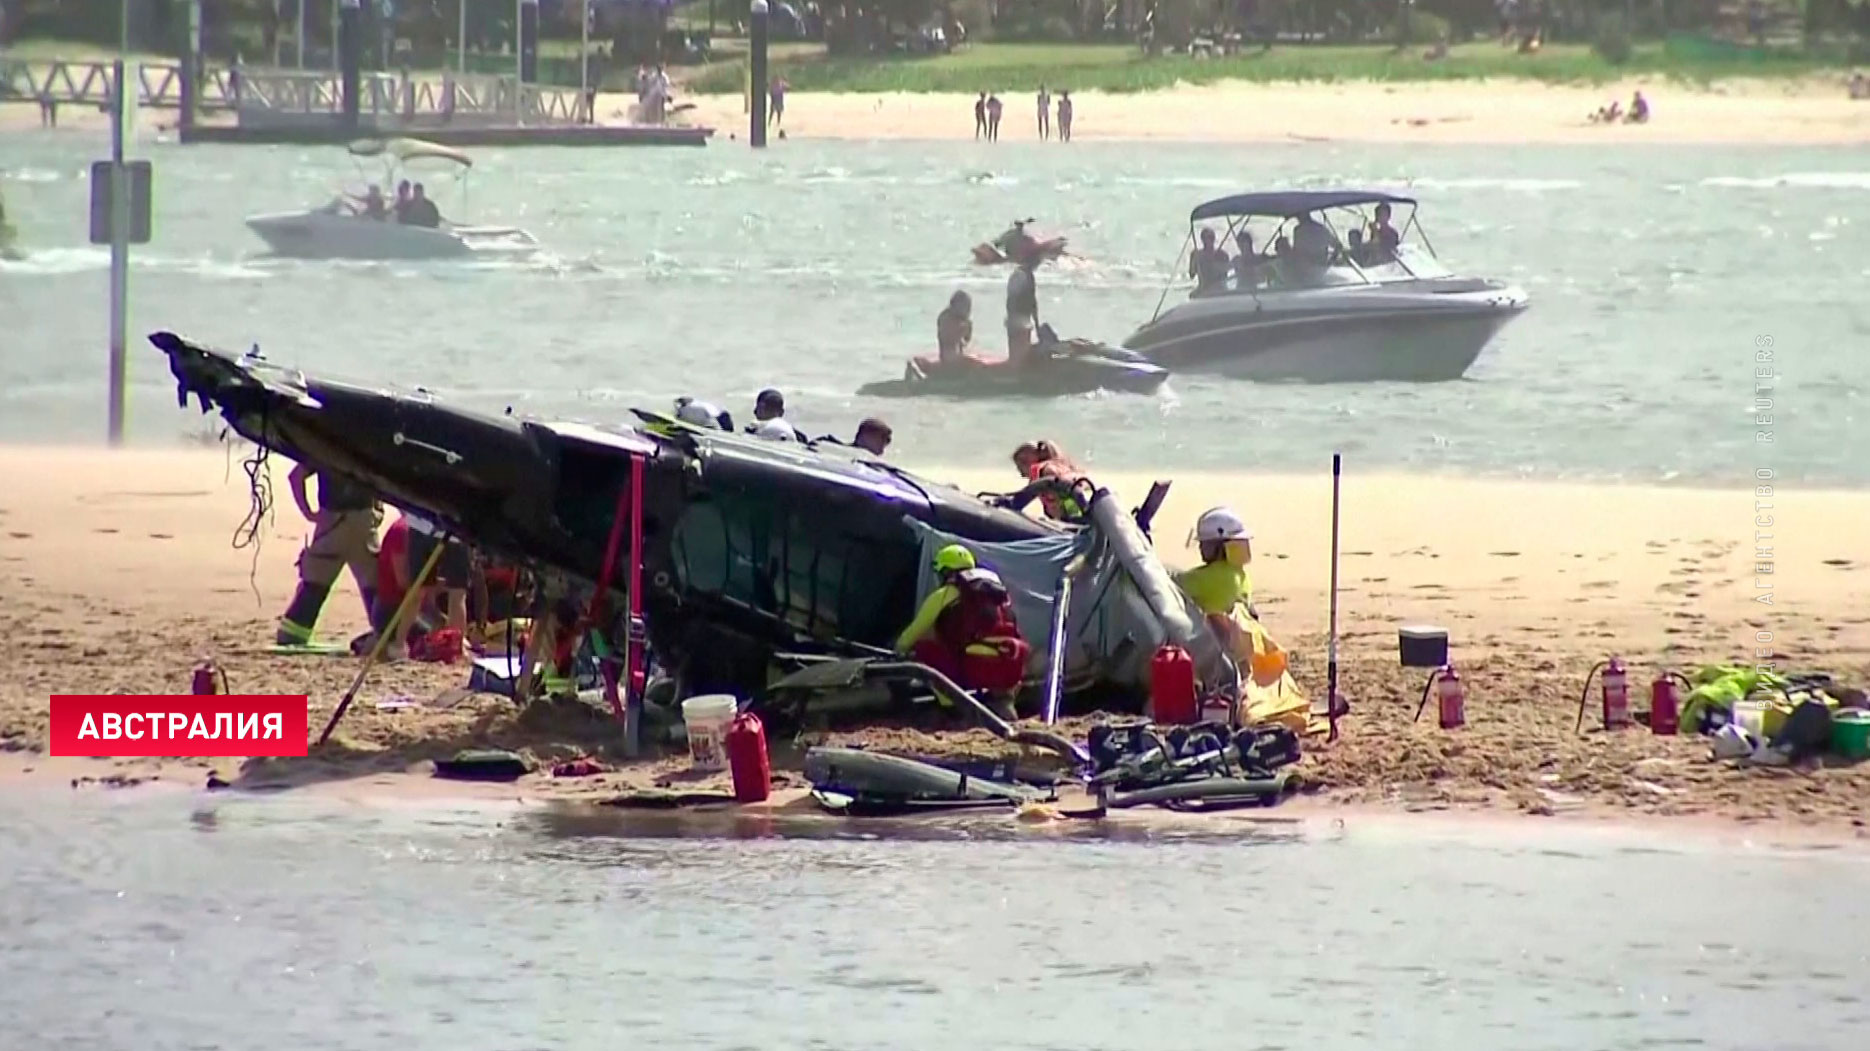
[(818, 266), (166, 921)]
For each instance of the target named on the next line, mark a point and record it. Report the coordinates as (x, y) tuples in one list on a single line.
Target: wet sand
[(120, 575)]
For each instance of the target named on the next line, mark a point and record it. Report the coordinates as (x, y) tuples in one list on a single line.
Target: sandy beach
[(121, 575), (1786, 112)]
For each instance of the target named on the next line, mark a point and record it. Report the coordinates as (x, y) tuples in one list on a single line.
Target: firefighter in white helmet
[(1221, 584)]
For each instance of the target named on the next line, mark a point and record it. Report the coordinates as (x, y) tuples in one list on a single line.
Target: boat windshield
[(1328, 248)]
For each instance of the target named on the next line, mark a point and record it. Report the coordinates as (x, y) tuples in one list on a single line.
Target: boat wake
[(1802, 180), (60, 262)]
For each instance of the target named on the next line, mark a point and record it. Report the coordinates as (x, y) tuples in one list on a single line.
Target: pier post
[(529, 41), (756, 73), (350, 19), (190, 72)]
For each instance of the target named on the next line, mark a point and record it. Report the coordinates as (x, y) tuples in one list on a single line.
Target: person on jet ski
[(965, 629), (954, 328), (1017, 243), (1022, 309)]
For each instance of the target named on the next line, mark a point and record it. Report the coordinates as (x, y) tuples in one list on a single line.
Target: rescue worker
[(1022, 308), (1221, 584), (770, 408), (1043, 465), (965, 629), (702, 414), (344, 534), (1223, 589)]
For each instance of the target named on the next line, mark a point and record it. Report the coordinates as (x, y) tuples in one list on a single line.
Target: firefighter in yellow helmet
[(965, 628)]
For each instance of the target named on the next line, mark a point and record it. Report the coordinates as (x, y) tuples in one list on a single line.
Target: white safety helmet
[(1221, 523), (697, 413), (776, 428)]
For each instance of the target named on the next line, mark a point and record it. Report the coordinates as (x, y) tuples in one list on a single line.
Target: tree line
[(423, 31)]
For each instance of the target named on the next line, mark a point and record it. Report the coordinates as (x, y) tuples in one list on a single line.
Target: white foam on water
[(1804, 180), (1510, 185), (30, 175)]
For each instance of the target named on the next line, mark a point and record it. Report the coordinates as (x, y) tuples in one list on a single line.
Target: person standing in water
[(993, 118), (1045, 114), (776, 113), (344, 535)]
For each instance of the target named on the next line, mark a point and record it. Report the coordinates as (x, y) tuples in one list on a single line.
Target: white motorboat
[(1333, 310), (343, 229)]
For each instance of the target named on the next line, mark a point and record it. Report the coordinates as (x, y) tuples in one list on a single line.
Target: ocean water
[(171, 922), (1657, 273)]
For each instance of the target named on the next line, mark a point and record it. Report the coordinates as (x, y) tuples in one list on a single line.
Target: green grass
[(1117, 68)]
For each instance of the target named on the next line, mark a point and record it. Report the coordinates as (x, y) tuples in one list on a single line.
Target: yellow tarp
[(1268, 693)]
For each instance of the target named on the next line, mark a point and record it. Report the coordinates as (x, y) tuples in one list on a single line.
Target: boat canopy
[(1289, 203), (404, 150)]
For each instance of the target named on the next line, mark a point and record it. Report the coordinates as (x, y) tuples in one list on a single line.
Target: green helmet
[(953, 559)]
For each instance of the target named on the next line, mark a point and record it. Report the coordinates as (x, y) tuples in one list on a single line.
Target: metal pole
[(123, 110), (1333, 706), (584, 54), (300, 35), (335, 33), (519, 61), (349, 50), (461, 37), (756, 74)]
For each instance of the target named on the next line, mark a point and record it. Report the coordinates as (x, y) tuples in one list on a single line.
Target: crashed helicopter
[(747, 556)]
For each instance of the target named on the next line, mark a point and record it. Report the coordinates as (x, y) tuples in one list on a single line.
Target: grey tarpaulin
[(1123, 603)]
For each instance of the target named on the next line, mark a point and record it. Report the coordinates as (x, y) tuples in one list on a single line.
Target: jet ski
[(1057, 368), (1007, 247)]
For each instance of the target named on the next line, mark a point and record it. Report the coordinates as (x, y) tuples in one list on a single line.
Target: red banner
[(219, 725)]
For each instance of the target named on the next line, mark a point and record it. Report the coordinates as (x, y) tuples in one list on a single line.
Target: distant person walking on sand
[(980, 114), (993, 118), (1045, 114), (776, 114), (1064, 116)]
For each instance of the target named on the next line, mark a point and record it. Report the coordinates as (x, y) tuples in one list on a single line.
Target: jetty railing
[(263, 96), (159, 84)]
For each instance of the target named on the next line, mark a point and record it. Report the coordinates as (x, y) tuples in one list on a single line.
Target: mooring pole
[(122, 116), (191, 68), (756, 74), (350, 14), (529, 41)]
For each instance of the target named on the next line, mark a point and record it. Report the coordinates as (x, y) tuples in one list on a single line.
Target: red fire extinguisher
[(1615, 681), (204, 682), (1450, 698), (747, 758), (1173, 697), (1665, 707)]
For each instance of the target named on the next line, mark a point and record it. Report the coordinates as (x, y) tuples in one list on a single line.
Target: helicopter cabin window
[(796, 564)]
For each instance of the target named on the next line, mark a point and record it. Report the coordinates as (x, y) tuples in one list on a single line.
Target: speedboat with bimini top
[(1322, 288), (376, 226), (1053, 368)]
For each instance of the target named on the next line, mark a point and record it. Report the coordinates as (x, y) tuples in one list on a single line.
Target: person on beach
[(965, 629), (1045, 466), (1022, 308), (446, 589), (1639, 109), (994, 109), (1223, 589), (1208, 265), (776, 113), (873, 436), (344, 535), (954, 328), (980, 115), (1045, 114), (702, 414), (1064, 116), (769, 418)]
